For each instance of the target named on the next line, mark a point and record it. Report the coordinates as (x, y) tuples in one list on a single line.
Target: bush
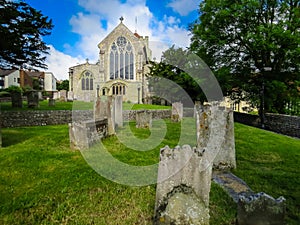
[(4, 94)]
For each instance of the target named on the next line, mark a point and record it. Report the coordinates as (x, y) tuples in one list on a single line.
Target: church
[(123, 62)]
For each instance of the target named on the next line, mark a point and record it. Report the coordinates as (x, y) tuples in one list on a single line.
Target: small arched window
[(118, 89), (87, 81)]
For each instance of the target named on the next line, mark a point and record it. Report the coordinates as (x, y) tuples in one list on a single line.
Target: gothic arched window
[(121, 59), (87, 81)]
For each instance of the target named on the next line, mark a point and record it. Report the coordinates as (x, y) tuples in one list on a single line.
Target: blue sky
[(79, 25)]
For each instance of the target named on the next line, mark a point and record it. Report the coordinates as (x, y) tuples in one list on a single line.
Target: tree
[(174, 66), (21, 31), (254, 46), (64, 85)]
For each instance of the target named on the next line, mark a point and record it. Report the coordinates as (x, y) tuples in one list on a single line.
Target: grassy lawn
[(42, 181), (60, 105)]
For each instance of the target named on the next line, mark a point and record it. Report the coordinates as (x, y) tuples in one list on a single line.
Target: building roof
[(6, 72)]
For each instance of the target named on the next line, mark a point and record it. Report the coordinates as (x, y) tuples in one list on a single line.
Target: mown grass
[(62, 105), (42, 181)]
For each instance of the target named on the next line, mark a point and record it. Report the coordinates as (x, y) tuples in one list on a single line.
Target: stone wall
[(283, 124), (41, 118), (55, 117)]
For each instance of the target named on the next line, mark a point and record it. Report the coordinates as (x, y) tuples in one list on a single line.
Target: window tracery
[(87, 81), (121, 59)]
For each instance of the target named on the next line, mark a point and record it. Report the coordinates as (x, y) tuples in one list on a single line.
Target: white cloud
[(59, 63), (162, 34), (184, 7)]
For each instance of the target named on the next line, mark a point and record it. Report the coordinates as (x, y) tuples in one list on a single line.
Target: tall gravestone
[(225, 158), (118, 110), (63, 95), (33, 99), (184, 173), (104, 109), (177, 112), (16, 100)]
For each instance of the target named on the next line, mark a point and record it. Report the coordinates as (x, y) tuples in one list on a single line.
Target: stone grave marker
[(184, 173), (70, 96), (51, 102), (33, 99), (118, 109), (63, 95), (225, 158), (260, 209), (143, 119), (177, 112), (16, 100), (104, 109)]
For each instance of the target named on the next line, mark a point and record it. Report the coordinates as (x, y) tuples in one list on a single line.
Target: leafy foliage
[(175, 66), (21, 29), (240, 39), (64, 85)]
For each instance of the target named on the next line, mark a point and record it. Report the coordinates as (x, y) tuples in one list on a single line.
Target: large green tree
[(175, 66), (21, 31), (253, 47)]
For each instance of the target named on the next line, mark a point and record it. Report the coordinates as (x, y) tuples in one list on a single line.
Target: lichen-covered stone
[(260, 209), (144, 119)]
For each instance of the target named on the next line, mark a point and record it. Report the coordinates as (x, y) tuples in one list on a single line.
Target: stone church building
[(120, 70)]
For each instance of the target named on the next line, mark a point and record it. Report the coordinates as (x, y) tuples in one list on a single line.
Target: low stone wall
[(283, 124), (41, 118), (55, 117), (130, 115)]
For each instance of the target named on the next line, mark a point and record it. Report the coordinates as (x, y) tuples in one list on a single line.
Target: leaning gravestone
[(225, 158), (184, 174), (143, 119), (177, 111), (33, 99)]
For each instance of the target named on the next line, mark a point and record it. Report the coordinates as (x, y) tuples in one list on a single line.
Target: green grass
[(42, 181), (61, 105)]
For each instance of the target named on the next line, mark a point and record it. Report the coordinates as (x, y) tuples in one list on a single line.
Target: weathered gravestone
[(104, 109), (177, 111), (143, 119), (184, 174), (51, 102), (225, 158), (63, 95), (70, 96), (260, 209), (33, 99), (16, 100), (118, 110), (84, 134)]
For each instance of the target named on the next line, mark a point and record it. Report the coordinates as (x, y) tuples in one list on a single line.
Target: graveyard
[(44, 182)]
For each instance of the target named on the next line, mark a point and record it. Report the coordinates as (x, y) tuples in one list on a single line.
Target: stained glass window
[(121, 59)]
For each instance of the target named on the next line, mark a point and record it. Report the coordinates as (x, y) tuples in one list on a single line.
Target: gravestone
[(56, 95), (260, 209), (16, 100), (177, 112), (51, 102), (184, 174), (33, 99), (182, 193), (70, 96), (104, 109), (84, 134), (118, 109), (143, 119), (206, 114), (63, 95)]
